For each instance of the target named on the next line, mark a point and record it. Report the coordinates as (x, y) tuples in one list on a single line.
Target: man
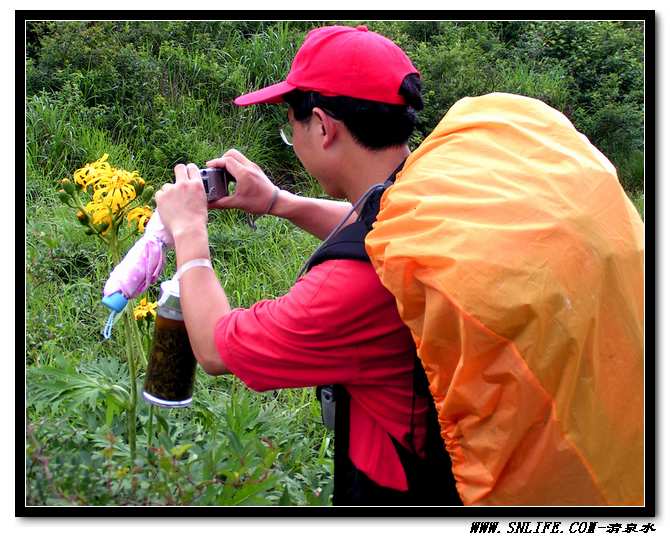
[(352, 97)]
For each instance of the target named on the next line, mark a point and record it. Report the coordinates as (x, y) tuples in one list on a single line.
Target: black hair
[(373, 124)]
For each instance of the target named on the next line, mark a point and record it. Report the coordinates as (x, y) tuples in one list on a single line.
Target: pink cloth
[(143, 263)]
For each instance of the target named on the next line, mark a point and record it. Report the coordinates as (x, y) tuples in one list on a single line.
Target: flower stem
[(131, 350), (132, 404), (150, 431), (137, 341)]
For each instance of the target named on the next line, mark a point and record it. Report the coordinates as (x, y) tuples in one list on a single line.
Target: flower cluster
[(145, 308), (115, 194), (141, 215)]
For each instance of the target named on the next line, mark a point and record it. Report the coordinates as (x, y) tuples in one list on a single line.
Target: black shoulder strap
[(349, 242)]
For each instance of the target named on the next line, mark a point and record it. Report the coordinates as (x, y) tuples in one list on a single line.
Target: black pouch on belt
[(326, 396)]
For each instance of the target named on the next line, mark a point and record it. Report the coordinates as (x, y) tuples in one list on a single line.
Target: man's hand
[(183, 205), (183, 210), (253, 192)]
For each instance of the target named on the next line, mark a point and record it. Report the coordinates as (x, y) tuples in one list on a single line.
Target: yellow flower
[(92, 172), (145, 308), (134, 176), (141, 214), (114, 190), (99, 212)]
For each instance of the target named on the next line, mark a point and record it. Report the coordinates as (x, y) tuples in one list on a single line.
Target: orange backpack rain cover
[(516, 260)]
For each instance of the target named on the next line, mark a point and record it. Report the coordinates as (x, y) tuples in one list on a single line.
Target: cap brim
[(271, 95)]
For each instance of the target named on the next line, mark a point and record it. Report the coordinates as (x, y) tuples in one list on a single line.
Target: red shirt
[(337, 325)]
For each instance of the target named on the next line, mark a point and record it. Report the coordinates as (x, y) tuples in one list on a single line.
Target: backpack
[(516, 260)]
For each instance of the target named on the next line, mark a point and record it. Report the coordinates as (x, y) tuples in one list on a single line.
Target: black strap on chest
[(349, 242), (430, 480)]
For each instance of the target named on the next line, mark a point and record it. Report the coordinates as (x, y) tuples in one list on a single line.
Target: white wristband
[(200, 262), (275, 195)]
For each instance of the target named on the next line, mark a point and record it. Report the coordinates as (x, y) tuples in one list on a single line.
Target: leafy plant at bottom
[(62, 383)]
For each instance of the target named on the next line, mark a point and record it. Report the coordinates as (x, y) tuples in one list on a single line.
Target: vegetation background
[(153, 94)]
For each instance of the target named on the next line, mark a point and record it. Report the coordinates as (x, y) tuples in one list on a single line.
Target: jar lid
[(171, 287), (169, 297)]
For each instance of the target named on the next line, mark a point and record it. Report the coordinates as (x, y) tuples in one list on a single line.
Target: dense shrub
[(606, 62), (591, 71), (151, 81)]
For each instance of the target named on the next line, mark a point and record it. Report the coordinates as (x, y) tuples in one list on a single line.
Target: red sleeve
[(308, 337)]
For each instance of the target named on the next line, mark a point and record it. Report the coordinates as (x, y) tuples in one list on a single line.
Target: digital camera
[(216, 182)]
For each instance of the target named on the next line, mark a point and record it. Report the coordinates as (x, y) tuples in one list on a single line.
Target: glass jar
[(171, 369)]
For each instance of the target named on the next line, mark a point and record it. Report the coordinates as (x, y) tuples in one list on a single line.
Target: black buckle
[(326, 395)]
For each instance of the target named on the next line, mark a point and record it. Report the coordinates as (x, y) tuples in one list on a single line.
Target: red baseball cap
[(342, 61)]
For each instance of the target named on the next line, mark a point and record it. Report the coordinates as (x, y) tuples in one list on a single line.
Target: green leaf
[(178, 451), (325, 442), (165, 464), (165, 441), (235, 443), (269, 457), (111, 410), (285, 497), (249, 493), (162, 422), (319, 496)]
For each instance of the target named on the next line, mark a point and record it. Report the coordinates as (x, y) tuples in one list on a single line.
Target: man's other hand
[(183, 205), (253, 191)]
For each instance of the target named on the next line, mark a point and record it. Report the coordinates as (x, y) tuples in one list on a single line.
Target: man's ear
[(327, 125)]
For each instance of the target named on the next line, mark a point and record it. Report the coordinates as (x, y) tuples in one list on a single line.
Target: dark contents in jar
[(171, 368)]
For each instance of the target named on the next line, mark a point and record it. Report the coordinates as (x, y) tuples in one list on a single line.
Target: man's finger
[(193, 172), (239, 157), (215, 163), (180, 174), (233, 154), (220, 162), (234, 167)]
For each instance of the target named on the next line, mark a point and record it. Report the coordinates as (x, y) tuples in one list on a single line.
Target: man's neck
[(368, 168)]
